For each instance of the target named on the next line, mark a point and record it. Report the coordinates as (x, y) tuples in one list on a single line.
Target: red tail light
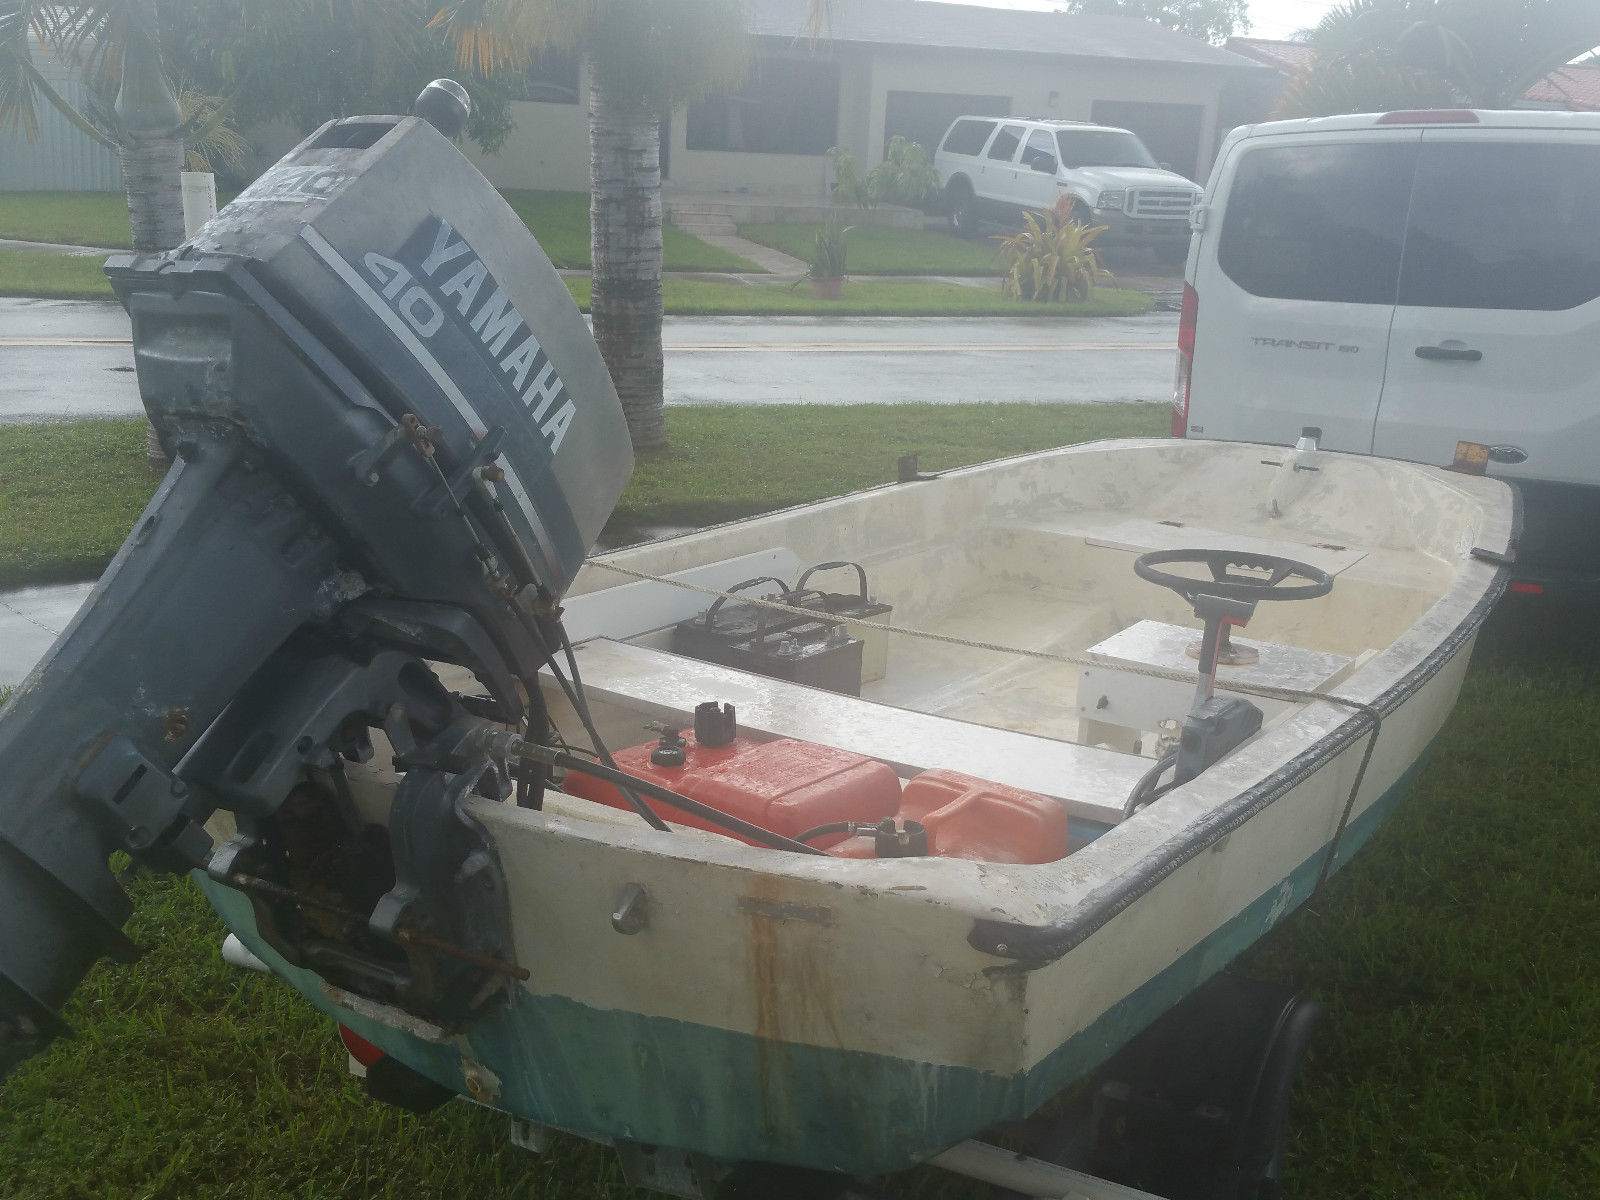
[(1527, 589), (363, 1051), (1180, 382)]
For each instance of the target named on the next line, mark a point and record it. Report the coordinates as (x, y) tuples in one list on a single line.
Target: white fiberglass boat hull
[(865, 1015)]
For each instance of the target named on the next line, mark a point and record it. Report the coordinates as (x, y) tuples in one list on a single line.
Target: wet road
[(62, 359)]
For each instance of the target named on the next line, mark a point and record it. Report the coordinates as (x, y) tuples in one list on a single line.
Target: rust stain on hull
[(794, 993)]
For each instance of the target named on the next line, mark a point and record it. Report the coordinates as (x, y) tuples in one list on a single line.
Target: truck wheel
[(963, 210)]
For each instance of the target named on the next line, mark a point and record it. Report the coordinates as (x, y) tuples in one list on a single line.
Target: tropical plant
[(214, 145), (308, 61), (1052, 260), (644, 58), (1384, 54), (828, 255), (270, 52), (848, 186), (904, 176), (115, 48)]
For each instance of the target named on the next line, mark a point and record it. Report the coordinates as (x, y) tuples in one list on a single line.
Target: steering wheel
[(1230, 586)]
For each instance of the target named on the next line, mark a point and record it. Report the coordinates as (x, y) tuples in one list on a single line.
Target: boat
[(828, 838), (693, 991)]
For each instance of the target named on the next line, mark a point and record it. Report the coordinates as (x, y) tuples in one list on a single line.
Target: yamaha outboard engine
[(394, 441)]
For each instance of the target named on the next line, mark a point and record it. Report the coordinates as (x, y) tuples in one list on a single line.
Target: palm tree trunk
[(151, 176), (152, 159), (625, 254)]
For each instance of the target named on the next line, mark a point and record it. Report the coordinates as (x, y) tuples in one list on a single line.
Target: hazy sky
[(1268, 18)]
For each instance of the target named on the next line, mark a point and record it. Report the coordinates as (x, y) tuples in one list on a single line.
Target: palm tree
[(107, 40), (112, 44), (644, 59), (115, 48), (1383, 54)]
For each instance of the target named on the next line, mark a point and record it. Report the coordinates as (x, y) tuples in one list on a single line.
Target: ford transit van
[(1404, 282)]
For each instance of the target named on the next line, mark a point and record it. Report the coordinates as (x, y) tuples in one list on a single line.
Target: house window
[(785, 106), (552, 78)]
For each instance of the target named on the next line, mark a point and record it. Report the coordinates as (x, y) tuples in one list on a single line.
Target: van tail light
[(1180, 382), (363, 1051)]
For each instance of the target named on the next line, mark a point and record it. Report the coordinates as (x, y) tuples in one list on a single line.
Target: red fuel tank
[(786, 786), (967, 817)]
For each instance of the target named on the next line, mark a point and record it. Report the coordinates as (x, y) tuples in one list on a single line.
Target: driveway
[(66, 359)]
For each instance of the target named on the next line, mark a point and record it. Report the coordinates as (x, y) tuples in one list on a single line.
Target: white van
[(1403, 282)]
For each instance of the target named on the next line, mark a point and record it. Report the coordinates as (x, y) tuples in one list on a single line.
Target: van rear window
[(968, 137), (1320, 222), (1495, 225)]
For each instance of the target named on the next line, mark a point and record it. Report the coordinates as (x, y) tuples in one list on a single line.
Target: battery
[(765, 641), (818, 654), (865, 618)]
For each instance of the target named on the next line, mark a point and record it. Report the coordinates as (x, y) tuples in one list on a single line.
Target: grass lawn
[(70, 276), (70, 492), (1454, 957), (57, 276), (873, 298), (883, 250), (560, 220), (73, 218)]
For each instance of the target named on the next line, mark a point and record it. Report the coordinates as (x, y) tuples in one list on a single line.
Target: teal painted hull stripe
[(734, 1096)]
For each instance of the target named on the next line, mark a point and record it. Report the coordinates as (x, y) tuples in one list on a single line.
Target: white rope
[(1073, 660)]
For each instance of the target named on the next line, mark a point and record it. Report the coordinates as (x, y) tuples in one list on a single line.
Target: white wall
[(547, 150)]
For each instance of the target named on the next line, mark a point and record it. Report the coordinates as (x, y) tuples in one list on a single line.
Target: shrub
[(848, 187), (903, 177), (827, 259), (1051, 260)]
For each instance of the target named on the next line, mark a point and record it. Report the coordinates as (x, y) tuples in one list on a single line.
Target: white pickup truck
[(998, 167)]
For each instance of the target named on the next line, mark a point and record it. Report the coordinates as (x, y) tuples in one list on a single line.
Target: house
[(879, 68), (886, 67), (1575, 87)]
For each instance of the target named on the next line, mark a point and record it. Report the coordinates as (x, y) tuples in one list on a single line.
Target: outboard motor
[(393, 442)]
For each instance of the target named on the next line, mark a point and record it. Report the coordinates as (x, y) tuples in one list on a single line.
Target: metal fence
[(60, 158)]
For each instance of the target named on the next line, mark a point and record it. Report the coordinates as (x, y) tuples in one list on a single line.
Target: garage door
[(924, 116)]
